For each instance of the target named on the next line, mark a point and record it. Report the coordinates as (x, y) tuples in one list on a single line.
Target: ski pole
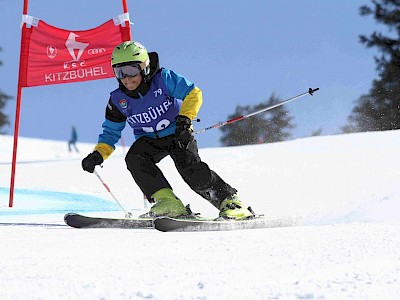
[(127, 214), (309, 92)]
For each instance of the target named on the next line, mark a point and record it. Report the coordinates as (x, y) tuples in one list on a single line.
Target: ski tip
[(67, 215)]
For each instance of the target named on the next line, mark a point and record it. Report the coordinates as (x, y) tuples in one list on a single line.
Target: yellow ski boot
[(232, 208), (167, 204)]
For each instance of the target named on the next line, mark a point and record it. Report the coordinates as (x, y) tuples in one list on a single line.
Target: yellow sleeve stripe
[(192, 103), (104, 149)]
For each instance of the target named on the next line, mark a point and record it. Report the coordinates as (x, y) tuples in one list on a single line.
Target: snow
[(343, 188)]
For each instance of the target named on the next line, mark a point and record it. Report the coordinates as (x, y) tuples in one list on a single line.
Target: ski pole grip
[(311, 91)]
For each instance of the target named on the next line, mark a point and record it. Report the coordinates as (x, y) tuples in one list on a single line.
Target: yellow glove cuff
[(104, 149)]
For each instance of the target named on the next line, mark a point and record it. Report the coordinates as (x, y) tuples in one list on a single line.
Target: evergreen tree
[(268, 127), (317, 132), (3, 100), (380, 108)]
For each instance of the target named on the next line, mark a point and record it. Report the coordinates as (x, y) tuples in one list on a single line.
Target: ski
[(166, 224), (80, 221)]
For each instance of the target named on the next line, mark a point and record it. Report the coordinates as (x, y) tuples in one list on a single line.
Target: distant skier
[(159, 105), (72, 141)]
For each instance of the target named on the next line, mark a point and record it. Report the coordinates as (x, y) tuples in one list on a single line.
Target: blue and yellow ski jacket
[(152, 114)]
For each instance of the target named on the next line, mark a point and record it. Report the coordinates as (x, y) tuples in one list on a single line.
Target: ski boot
[(232, 208), (167, 204)]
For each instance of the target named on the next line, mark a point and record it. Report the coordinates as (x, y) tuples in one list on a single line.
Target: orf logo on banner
[(62, 56)]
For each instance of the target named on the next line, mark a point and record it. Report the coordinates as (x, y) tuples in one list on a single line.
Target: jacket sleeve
[(112, 127), (192, 103), (181, 88)]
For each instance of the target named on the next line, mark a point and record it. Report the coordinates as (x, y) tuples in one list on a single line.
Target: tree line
[(4, 121), (378, 110)]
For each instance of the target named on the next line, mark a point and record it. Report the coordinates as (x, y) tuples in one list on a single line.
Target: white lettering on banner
[(151, 114), (75, 74), (73, 64)]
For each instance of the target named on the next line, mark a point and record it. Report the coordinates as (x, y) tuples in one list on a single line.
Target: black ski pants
[(145, 153)]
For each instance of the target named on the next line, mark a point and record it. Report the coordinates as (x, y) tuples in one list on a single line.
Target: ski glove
[(91, 161), (184, 133)]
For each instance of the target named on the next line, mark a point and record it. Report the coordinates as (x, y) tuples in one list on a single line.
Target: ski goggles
[(126, 71)]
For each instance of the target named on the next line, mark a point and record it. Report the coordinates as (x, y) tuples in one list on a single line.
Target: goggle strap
[(144, 64)]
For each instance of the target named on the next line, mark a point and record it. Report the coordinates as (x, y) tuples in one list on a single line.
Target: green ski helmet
[(131, 51)]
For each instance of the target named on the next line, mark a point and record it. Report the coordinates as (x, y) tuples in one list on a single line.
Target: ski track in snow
[(344, 189)]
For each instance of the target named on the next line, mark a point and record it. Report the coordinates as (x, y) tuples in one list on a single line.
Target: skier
[(159, 105), (73, 139)]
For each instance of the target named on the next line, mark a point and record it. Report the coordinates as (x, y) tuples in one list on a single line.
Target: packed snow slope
[(343, 190)]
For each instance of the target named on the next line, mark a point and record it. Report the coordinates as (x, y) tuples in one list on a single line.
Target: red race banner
[(53, 55)]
